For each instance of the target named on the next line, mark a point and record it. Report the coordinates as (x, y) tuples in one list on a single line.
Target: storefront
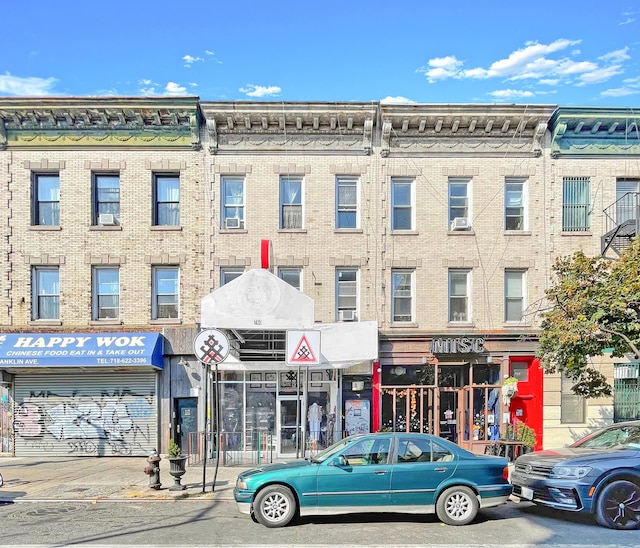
[(82, 394), (452, 387)]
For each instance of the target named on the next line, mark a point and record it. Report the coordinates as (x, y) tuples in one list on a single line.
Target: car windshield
[(332, 450), (623, 437)]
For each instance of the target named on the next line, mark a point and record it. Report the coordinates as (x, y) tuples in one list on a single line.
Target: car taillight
[(505, 473)]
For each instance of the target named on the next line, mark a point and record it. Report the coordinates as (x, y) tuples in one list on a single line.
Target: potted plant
[(524, 434), (177, 465)]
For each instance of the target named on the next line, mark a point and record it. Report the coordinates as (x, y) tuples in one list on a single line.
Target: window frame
[(299, 201), (282, 274), (37, 293), (522, 273), (397, 317), (347, 209), (345, 285), (466, 297), (523, 215), (37, 184), (571, 405), (97, 202), (397, 208), (97, 294), (573, 209), (466, 206), (225, 207), (230, 272), (168, 204), (156, 294)]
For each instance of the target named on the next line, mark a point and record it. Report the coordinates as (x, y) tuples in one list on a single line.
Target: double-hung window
[(459, 204), (402, 290), (291, 275), (165, 287), (166, 200), (402, 200), (232, 202), (514, 295), (576, 204), (627, 200), (291, 213), (106, 293), (106, 199), (347, 202), (230, 273), (347, 293), (45, 298), (515, 204), (459, 289), (46, 203), (572, 405)]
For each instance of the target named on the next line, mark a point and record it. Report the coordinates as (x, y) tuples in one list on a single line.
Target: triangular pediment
[(257, 300)]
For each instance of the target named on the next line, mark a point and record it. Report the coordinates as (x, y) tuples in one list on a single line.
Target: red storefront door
[(526, 405)]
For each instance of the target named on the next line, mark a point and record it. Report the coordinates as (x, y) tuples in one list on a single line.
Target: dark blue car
[(598, 475)]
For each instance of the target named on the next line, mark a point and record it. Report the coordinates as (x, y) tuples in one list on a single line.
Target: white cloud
[(441, 68), (599, 75), (174, 89), (260, 91), (397, 100), (147, 87), (189, 60), (616, 56), (15, 85), (631, 87), (511, 94)]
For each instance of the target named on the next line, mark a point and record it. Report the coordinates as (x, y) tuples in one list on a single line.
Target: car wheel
[(618, 506), (457, 506), (275, 506)]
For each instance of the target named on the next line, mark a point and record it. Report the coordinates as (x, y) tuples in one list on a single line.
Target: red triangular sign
[(303, 352)]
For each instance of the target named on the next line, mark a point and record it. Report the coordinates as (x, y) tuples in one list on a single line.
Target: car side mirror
[(340, 460)]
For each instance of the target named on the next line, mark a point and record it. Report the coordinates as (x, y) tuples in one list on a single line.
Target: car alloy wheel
[(618, 506), (457, 506), (275, 506)]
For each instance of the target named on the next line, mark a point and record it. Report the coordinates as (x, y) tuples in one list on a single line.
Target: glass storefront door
[(289, 432)]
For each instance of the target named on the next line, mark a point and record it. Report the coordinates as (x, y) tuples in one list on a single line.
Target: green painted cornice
[(592, 131), (99, 122)]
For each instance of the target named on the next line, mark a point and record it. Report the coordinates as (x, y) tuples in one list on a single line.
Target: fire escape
[(622, 223)]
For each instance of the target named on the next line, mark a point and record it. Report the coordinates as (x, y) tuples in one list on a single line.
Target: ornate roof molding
[(593, 131), (464, 129), (290, 127), (81, 122)]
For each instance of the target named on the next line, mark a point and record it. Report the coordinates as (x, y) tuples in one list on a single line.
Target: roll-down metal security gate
[(85, 414)]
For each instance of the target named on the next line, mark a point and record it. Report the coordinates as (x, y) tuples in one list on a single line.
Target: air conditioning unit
[(347, 315), (357, 386), (106, 219), (460, 223), (232, 222)]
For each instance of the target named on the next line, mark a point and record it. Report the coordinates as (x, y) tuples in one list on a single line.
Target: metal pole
[(206, 421), (218, 439)]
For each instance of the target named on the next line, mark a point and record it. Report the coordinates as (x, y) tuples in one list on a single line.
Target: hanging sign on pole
[(303, 348), (211, 346)]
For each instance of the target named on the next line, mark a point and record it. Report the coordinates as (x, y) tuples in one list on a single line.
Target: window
[(347, 293), (514, 295), (232, 202), (626, 200), (228, 274), (166, 289), (572, 405), (47, 200), (106, 293), (367, 451), (402, 295), (459, 203), (45, 285), (514, 205), (167, 200), (421, 450), (290, 202), (347, 202), (402, 196), (576, 208), (293, 276), (106, 205), (459, 295)]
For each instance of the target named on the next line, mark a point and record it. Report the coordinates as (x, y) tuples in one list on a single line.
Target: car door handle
[(380, 472), (441, 469)]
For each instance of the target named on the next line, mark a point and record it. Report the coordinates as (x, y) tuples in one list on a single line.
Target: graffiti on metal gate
[(116, 422)]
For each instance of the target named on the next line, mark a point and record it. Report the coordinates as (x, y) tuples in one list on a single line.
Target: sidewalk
[(121, 479)]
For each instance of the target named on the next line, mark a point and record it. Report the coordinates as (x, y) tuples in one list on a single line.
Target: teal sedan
[(382, 472)]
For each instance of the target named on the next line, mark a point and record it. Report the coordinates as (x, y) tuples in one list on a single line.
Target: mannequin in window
[(314, 416)]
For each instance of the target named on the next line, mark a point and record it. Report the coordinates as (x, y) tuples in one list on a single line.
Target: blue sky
[(566, 52)]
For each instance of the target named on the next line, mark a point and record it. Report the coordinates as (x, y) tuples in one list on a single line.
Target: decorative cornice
[(582, 131), (99, 122)]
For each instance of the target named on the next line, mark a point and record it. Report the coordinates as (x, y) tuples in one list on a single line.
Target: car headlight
[(241, 484), (570, 472)]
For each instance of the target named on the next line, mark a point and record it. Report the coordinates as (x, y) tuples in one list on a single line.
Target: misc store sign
[(457, 345), (80, 349)]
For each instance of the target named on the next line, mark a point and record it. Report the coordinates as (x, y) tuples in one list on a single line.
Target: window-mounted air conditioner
[(460, 223), (347, 315), (232, 222), (106, 219)]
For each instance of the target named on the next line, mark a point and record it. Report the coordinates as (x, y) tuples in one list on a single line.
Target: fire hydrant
[(153, 470)]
